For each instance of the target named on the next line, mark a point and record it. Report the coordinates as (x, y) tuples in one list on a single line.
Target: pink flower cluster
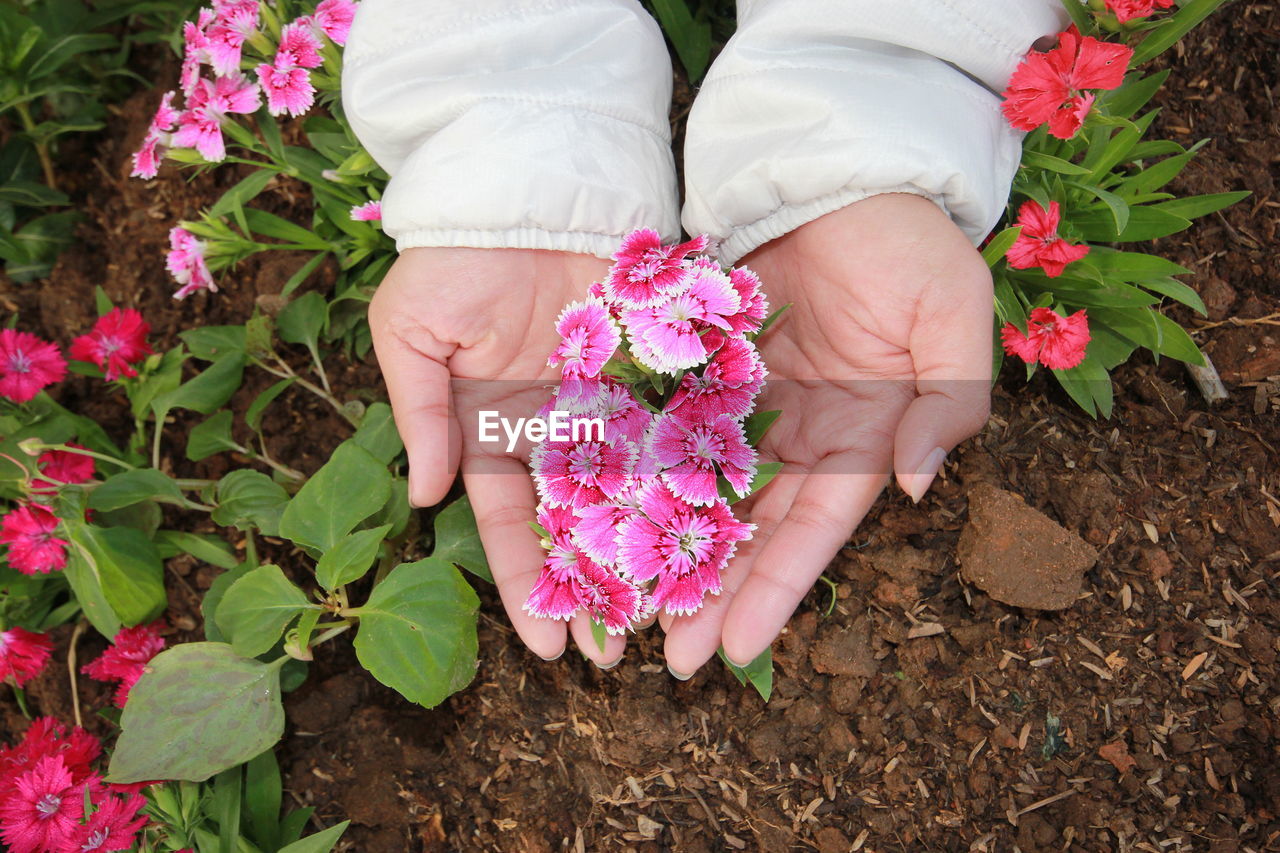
[(127, 658), (217, 39), (29, 530), (52, 801), (1038, 243), (1051, 339), (1127, 10), (23, 654), (634, 519)]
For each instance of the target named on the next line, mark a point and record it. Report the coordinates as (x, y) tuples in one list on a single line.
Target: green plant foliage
[(351, 486)]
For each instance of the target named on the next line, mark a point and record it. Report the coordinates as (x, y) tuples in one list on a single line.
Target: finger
[(418, 383), (825, 511), (951, 352), (503, 499), (693, 639), (606, 658)]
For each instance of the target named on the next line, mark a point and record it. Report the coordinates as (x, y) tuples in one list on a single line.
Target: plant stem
[(71, 668), (292, 473), (83, 452), (288, 372), (42, 151)]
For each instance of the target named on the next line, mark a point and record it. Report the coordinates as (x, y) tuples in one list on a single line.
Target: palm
[(881, 357)]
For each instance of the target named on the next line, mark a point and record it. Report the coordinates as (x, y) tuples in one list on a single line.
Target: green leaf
[(208, 390), (1193, 207), (757, 425), (118, 567), (377, 433), (599, 633), (1118, 207), (263, 791), (246, 497), (1089, 385), (1040, 160), (1136, 92), (270, 225), (1176, 343), (302, 320), (131, 487), (765, 472), (213, 598), (210, 343), (199, 708), (225, 808), (1145, 223), (253, 415), (1156, 176), (1130, 266), (205, 547), (303, 273), (1000, 245), (691, 39), (759, 672), (210, 437), (418, 631), (257, 608), (1175, 289), (1167, 35), (350, 558), (320, 842), (457, 539), (351, 486), (244, 191)]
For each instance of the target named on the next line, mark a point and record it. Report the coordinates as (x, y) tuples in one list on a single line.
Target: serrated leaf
[(257, 608), (350, 558), (349, 488), (198, 709), (418, 631)]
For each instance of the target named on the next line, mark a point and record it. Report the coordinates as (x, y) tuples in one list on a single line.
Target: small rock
[(1117, 753), (846, 652), (1020, 556), (1156, 563)]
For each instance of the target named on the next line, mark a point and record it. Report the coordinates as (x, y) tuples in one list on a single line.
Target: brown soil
[(1143, 717)]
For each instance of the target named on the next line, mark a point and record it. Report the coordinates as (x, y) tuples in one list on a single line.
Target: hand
[(487, 315), (881, 365)]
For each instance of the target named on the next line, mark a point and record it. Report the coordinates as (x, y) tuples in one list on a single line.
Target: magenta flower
[(754, 307), (684, 547), (299, 47), (195, 50), (690, 454), (146, 160), (23, 654), (42, 811), (596, 531), (666, 338), (186, 264), (589, 338), (62, 466), (28, 365), (33, 549), (370, 211), (127, 658), (234, 23), (615, 602), (117, 342), (728, 385), (289, 90), (334, 17), (114, 824), (624, 418), (583, 473), (645, 272), (200, 125)]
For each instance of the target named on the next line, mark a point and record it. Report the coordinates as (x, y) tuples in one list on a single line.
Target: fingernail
[(680, 675), (557, 657), (608, 666), (648, 623), (735, 663), (922, 479)]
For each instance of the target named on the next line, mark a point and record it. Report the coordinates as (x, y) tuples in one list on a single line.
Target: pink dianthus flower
[(645, 272), (186, 264), (1053, 340), (23, 654), (117, 342), (33, 549), (28, 365), (126, 659)]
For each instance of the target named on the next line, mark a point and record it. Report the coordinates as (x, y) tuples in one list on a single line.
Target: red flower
[(114, 824), (1127, 10), (1048, 87), (27, 364), (33, 549), (42, 810), (126, 659), (62, 466), (47, 737), (22, 654), (116, 343), (1055, 341), (1038, 244)]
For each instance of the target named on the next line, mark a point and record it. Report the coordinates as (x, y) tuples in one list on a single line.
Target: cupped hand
[(481, 320), (880, 366)]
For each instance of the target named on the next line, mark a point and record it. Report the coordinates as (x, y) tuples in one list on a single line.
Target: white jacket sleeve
[(816, 104), (514, 123)]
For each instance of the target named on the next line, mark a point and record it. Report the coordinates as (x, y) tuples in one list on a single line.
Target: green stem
[(42, 151), (84, 452)]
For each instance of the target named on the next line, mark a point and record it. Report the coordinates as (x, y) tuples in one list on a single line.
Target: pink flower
[(370, 211), (728, 385), (1047, 87), (195, 50), (209, 102), (117, 342), (1055, 341), (666, 338), (22, 654), (113, 826), (690, 454), (596, 530), (645, 271), (581, 474), (610, 599), (33, 549), (27, 365), (47, 737), (146, 160), (42, 811), (589, 338), (1038, 244), (755, 308), (62, 466), (299, 47), (334, 18), (186, 263), (684, 547), (126, 659), (1127, 10), (225, 39), (289, 90), (624, 418)]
